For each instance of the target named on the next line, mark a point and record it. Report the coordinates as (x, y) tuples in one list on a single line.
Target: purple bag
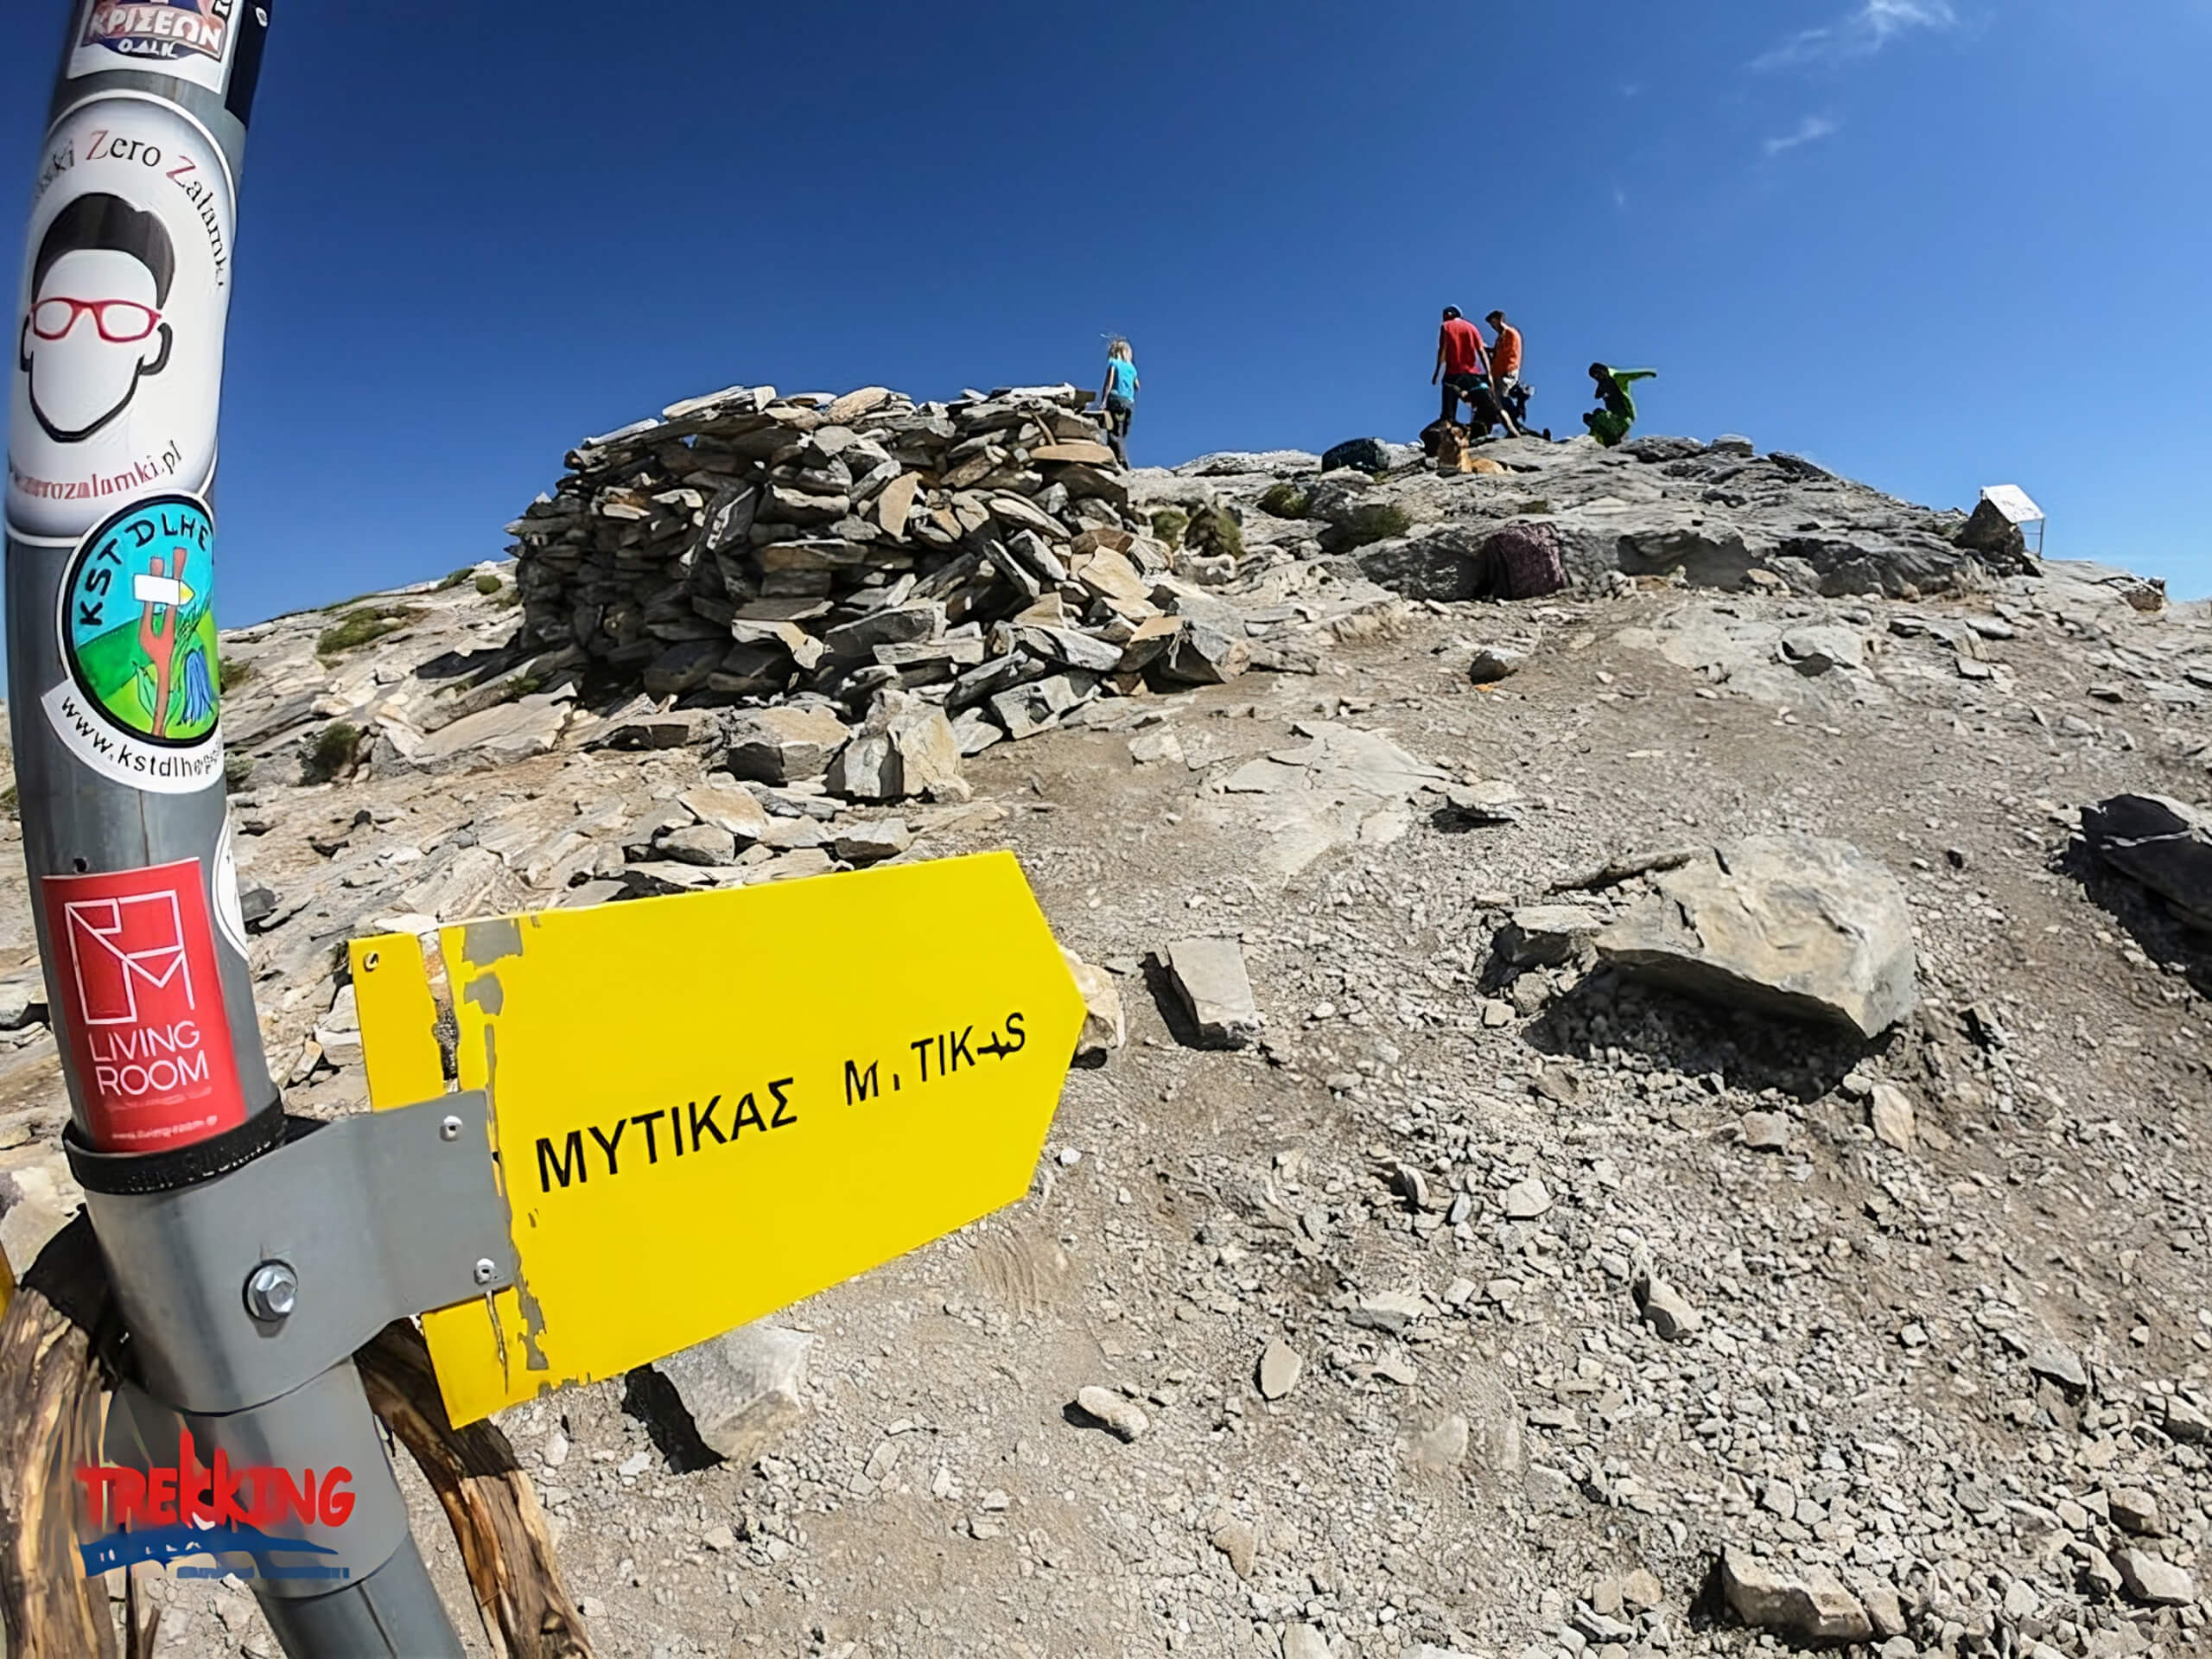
[(1527, 561)]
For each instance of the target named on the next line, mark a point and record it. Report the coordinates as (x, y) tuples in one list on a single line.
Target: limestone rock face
[(1792, 925), (494, 737)]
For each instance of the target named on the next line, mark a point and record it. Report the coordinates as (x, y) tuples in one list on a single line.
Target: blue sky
[(1935, 243)]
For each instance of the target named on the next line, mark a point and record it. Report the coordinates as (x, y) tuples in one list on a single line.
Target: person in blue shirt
[(1119, 394)]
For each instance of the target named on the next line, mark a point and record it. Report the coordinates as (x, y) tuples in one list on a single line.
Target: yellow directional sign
[(704, 1108)]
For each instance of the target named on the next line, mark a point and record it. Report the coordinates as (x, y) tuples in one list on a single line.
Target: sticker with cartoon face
[(139, 699), (193, 39), (119, 341)]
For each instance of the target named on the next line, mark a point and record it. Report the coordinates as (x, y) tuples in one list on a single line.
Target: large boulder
[(1789, 924), (2164, 844), (1451, 561)]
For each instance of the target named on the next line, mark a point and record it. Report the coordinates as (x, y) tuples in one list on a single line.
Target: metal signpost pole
[(114, 693)]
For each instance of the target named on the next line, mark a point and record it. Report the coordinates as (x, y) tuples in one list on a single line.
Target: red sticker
[(144, 1006)]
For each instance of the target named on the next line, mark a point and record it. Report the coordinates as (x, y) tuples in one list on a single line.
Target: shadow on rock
[(1669, 1031), (1453, 819), (1173, 1009), (651, 1400), (1709, 1609), (2140, 913), (485, 664)]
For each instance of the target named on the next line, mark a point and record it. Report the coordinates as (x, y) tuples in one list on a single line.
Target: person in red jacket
[(1462, 363)]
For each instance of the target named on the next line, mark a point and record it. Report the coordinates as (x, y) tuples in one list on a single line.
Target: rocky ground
[(1487, 1300)]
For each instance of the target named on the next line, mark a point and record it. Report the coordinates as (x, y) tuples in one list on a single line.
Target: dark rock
[(1199, 654), (2161, 842), (1662, 449), (257, 904), (1990, 533), (682, 668), (1368, 454)]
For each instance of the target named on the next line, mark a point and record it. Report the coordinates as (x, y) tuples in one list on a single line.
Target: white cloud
[(1859, 33), (1810, 130)]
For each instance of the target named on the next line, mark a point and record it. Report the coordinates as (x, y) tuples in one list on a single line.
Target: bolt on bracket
[(309, 1251)]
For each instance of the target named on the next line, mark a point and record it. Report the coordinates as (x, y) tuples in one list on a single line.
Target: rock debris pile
[(978, 556)]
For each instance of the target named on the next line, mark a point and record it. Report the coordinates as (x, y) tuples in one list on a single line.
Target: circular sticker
[(138, 621), (140, 699)]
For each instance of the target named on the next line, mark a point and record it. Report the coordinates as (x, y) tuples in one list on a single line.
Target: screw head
[(272, 1290), (449, 1130), (486, 1270)]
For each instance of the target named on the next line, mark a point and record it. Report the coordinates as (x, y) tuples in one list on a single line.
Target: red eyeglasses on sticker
[(121, 322)]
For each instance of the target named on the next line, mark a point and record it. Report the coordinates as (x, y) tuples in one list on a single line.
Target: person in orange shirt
[(1504, 356)]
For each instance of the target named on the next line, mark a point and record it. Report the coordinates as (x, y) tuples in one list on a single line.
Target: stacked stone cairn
[(974, 564)]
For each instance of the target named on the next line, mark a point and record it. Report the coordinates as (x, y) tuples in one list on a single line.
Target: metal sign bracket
[(309, 1251)]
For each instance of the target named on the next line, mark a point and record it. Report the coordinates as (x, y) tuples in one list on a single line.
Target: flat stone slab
[(1211, 978), (495, 736), (1306, 800)]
